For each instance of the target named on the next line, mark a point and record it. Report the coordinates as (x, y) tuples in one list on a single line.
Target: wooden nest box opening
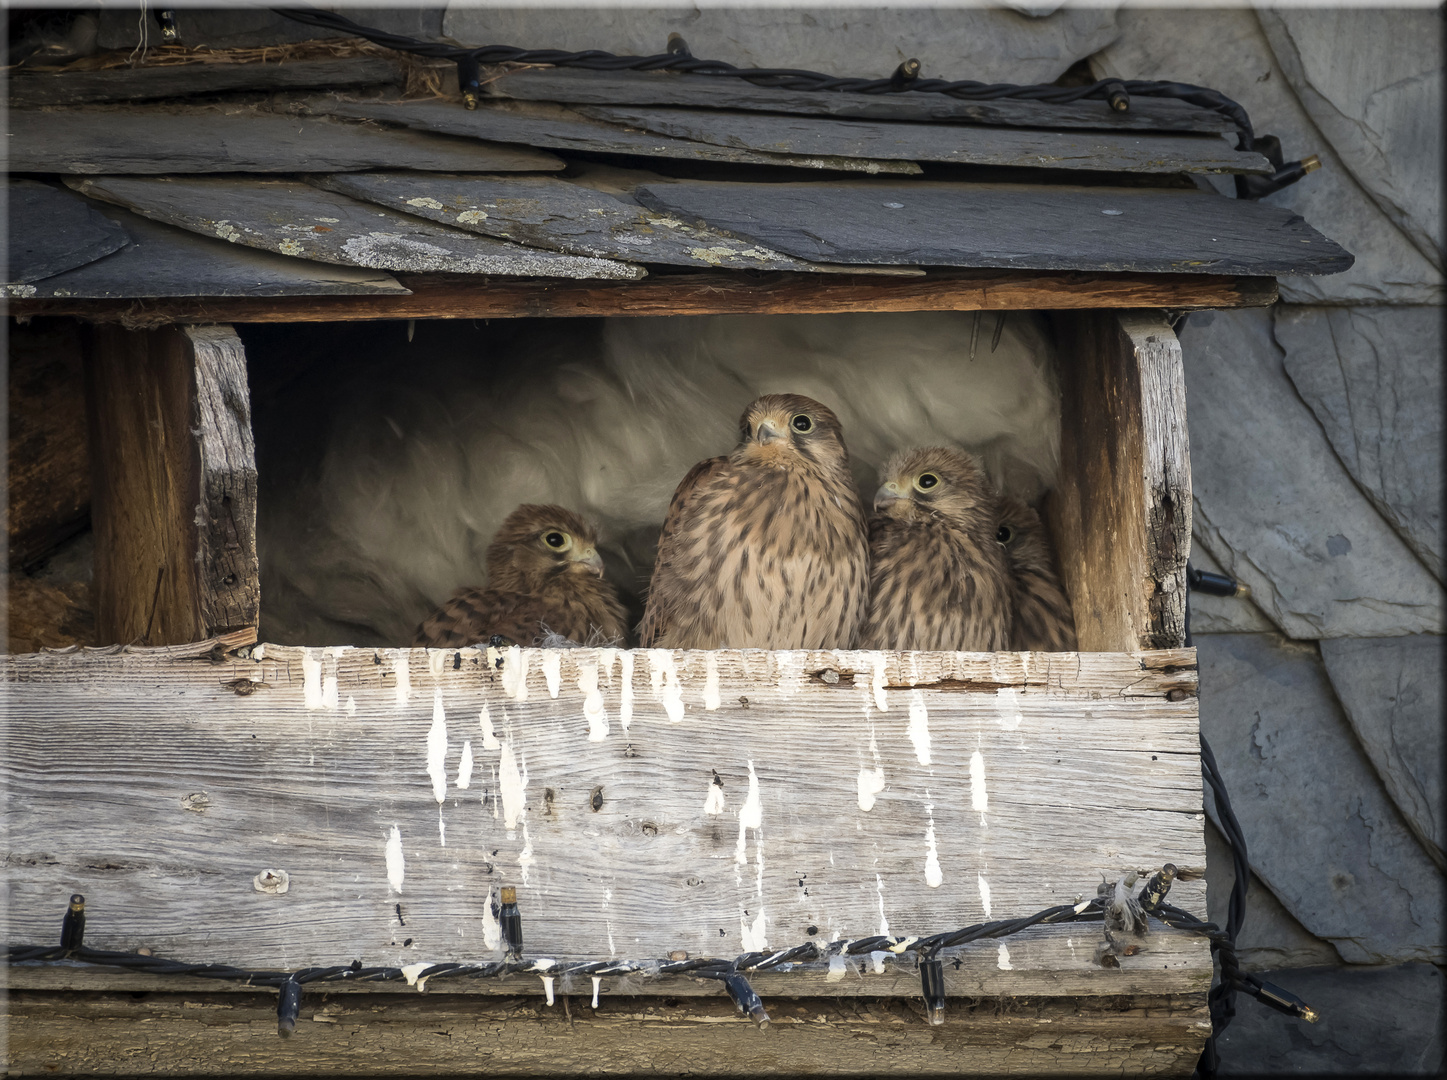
[(325, 794)]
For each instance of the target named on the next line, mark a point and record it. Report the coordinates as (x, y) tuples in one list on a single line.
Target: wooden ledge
[(691, 294)]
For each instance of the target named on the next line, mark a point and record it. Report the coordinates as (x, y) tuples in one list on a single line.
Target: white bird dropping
[(437, 748), (395, 862)]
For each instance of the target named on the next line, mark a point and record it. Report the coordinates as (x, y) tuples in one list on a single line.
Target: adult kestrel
[(1043, 619), (764, 548), (938, 577), (544, 574)]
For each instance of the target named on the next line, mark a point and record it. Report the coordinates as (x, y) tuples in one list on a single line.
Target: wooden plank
[(544, 212), (698, 294), (49, 462), (174, 484), (541, 125), (51, 231), (213, 139), (1023, 226), (162, 261), (1134, 152), (228, 573), (298, 219), (208, 1034), (614, 839), (580, 87), (29, 89), (1121, 509)]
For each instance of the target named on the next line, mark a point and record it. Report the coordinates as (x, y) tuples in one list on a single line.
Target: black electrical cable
[(1221, 998), (1117, 92)]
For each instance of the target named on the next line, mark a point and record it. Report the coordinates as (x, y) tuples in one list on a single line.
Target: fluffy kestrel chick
[(938, 577), (764, 548), (1043, 619), (544, 574)]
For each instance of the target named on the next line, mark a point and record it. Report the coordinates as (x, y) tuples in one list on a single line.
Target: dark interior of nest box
[(387, 452)]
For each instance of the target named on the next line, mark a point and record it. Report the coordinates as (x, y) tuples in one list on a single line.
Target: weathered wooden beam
[(694, 294), (174, 484), (1121, 510), (641, 803), (208, 1034)]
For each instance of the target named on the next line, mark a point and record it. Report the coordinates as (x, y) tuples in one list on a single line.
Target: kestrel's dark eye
[(555, 539), (1005, 535), (802, 423), (926, 481)]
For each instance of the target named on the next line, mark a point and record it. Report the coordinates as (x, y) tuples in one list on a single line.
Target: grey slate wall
[(1316, 453)]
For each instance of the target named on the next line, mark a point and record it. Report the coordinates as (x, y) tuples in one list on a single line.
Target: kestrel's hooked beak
[(890, 491), (767, 433), (590, 558)]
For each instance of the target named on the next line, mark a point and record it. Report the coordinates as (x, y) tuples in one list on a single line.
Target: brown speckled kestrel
[(938, 578), (544, 575), (764, 548), (1043, 619)]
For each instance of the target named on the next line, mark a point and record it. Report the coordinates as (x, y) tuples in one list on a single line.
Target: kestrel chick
[(938, 576), (544, 574), (764, 548), (1043, 621)]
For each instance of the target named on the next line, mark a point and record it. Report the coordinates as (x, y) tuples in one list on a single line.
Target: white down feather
[(417, 462)]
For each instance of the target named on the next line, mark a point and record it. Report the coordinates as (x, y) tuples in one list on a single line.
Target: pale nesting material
[(422, 459)]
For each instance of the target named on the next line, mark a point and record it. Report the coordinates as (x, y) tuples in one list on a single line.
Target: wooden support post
[(1121, 513), (173, 474)]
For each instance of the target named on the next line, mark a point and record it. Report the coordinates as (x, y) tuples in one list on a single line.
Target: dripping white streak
[(625, 692), (515, 673), (871, 783), (1003, 963), (714, 802), (1007, 706), (933, 875), (883, 922), (881, 699), (979, 798), (751, 816), (464, 767), (597, 982), (404, 676), (711, 699), (552, 665), (666, 687), (437, 748), (311, 679), (489, 737), (396, 864), (330, 692), (548, 987), (593, 710), (919, 726), (984, 893), (511, 783), (436, 660), (491, 928)]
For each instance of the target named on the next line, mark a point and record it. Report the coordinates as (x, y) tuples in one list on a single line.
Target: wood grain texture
[(539, 124), (163, 261), (958, 144), (50, 230), (212, 139), (554, 215), (174, 483), (193, 80), (228, 574), (600, 806), (695, 294), (1121, 512), (209, 1034), (1023, 226), (298, 219), (576, 86), (49, 460)]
